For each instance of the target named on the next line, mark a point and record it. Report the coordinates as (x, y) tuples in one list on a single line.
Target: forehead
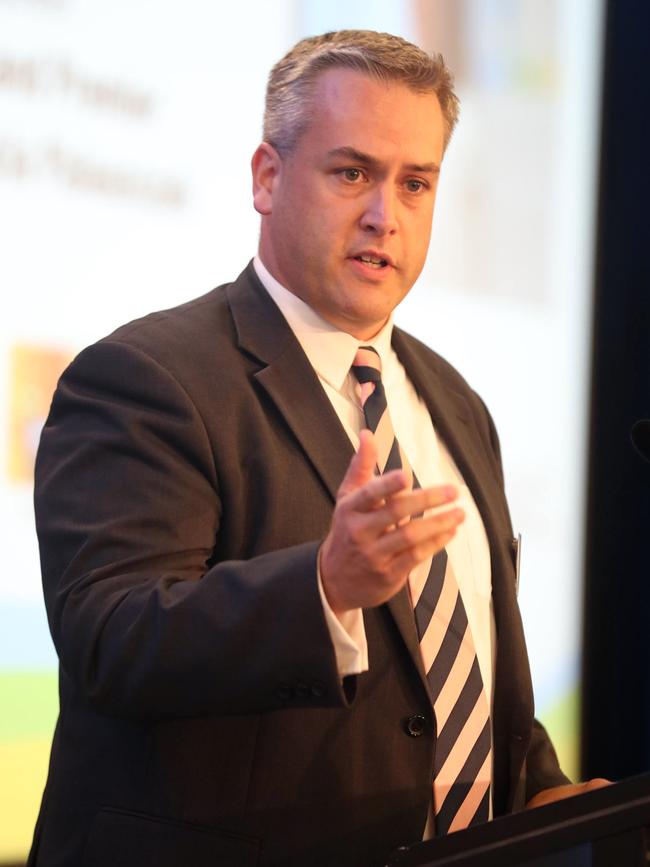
[(350, 109)]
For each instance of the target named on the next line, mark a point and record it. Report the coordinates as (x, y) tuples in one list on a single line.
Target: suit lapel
[(291, 383), (452, 419), (289, 380)]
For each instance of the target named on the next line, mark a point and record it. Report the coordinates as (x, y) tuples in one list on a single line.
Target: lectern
[(608, 827)]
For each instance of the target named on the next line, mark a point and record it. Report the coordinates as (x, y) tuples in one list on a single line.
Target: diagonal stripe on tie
[(476, 806), (454, 795), (429, 597), (446, 656), (452, 711), (431, 641), (463, 756)]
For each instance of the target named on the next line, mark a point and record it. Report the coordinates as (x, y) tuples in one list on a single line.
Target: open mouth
[(372, 261)]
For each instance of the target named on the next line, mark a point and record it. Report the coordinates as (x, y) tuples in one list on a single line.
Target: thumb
[(362, 466)]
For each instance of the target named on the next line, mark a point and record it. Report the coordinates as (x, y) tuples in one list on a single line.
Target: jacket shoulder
[(185, 339), (186, 322)]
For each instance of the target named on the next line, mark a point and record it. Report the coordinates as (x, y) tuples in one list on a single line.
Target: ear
[(266, 166)]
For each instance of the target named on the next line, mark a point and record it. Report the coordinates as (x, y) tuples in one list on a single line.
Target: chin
[(365, 327)]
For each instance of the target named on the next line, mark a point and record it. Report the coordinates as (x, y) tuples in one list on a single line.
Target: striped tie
[(463, 757)]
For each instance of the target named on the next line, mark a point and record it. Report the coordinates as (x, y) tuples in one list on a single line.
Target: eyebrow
[(367, 160)]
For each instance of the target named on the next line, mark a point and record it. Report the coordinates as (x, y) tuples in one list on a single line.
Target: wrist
[(323, 566)]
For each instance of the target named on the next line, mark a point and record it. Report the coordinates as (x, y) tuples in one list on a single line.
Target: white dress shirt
[(331, 353)]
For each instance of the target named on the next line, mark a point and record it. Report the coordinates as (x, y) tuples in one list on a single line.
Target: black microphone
[(640, 435)]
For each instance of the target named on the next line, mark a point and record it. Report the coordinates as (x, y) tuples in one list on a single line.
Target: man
[(230, 585)]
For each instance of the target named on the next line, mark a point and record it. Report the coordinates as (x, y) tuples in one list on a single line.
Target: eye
[(352, 176), (413, 185)]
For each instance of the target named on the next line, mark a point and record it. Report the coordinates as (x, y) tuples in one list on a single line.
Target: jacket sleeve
[(542, 766), (128, 513)]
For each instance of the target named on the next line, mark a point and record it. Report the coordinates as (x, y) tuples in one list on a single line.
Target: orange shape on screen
[(33, 374)]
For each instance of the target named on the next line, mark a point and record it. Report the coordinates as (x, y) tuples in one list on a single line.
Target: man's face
[(347, 215)]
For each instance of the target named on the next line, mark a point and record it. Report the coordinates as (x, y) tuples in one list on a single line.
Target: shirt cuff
[(348, 636)]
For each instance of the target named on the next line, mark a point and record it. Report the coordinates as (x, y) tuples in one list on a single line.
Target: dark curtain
[(616, 659)]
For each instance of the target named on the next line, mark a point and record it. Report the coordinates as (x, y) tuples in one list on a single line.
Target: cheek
[(319, 230), (310, 232), (420, 235)]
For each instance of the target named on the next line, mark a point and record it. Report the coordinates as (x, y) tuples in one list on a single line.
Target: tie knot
[(367, 365)]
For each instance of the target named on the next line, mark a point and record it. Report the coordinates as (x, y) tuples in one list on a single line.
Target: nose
[(380, 213)]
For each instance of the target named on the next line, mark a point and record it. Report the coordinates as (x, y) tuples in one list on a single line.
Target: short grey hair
[(378, 55)]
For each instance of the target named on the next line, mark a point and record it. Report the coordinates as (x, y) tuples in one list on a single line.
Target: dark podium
[(607, 827)]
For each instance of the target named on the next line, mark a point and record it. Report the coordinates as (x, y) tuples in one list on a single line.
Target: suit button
[(318, 689), (302, 690), (284, 692), (415, 725)]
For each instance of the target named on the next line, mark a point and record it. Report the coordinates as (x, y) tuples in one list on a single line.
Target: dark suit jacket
[(185, 477)]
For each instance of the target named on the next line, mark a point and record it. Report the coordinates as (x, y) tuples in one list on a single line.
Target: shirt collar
[(329, 350)]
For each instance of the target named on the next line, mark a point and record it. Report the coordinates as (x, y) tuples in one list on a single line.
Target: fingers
[(360, 570), (559, 793), (365, 491), (400, 507), (362, 466), (415, 553), (421, 532), (377, 491), (373, 542)]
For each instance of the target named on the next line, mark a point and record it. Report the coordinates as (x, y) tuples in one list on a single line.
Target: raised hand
[(374, 539)]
